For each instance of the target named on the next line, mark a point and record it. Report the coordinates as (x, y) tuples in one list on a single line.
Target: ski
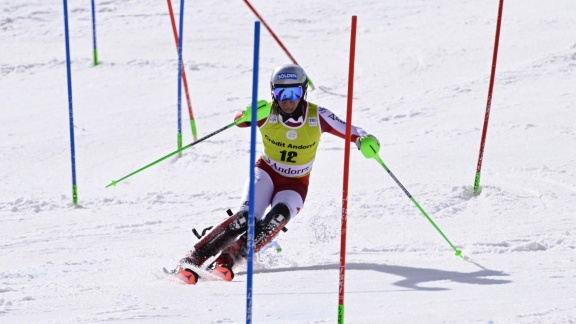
[(191, 274)]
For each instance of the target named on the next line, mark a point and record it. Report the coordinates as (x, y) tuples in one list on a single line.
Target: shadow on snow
[(414, 277)]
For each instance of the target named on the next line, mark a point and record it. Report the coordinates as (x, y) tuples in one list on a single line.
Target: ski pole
[(115, 182), (377, 158), (262, 111)]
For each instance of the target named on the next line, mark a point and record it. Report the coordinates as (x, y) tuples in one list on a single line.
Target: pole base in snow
[(95, 54), (470, 192)]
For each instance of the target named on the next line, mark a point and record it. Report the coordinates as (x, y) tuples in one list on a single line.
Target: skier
[(290, 127)]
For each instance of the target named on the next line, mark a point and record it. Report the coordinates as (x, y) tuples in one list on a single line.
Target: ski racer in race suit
[(291, 128)]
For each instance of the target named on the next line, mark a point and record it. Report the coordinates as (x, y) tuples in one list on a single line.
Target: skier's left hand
[(368, 145)]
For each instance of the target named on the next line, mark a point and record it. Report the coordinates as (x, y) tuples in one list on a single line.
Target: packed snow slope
[(421, 79)]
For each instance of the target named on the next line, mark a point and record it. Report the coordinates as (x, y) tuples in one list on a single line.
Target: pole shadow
[(413, 277)]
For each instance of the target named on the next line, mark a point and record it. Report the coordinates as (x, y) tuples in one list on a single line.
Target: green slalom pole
[(377, 158), (263, 111)]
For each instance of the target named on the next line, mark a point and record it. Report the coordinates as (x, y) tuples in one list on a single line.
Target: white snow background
[(421, 80)]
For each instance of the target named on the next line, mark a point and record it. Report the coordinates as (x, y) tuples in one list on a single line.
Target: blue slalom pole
[(180, 64), (251, 195), (94, 49), (70, 110)]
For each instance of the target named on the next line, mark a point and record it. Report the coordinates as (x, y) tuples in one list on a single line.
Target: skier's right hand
[(263, 111)]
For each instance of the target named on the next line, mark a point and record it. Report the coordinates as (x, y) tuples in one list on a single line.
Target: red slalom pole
[(347, 141), (277, 39), (184, 81), (489, 101)]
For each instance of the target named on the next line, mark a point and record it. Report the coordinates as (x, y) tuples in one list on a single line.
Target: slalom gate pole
[(236, 122), (184, 79), (377, 158), (347, 140), (180, 67), (70, 108), (489, 101), (94, 49), (251, 195), (276, 39)]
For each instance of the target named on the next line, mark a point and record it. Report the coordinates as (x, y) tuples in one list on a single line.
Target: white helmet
[(288, 75)]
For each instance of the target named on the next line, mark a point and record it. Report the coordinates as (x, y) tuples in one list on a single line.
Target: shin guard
[(219, 237)]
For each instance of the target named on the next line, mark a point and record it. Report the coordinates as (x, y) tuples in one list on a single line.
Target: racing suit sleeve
[(330, 123)]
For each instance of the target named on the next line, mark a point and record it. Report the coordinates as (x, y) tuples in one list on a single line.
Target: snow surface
[(421, 79)]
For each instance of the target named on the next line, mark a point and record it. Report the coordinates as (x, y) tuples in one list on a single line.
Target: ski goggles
[(290, 93)]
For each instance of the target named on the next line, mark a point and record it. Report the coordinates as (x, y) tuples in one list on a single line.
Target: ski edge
[(203, 274)]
